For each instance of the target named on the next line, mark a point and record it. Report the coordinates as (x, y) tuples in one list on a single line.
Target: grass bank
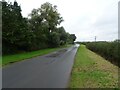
[(92, 71), (22, 56)]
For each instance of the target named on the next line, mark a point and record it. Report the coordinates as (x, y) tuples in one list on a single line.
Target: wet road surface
[(48, 71)]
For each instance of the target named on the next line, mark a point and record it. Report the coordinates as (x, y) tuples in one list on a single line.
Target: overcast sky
[(84, 18)]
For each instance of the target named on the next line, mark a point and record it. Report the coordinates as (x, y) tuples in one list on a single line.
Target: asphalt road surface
[(48, 71)]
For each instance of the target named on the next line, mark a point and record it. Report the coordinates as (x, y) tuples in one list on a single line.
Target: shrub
[(109, 50)]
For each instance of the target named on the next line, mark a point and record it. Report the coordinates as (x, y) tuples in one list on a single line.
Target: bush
[(108, 50)]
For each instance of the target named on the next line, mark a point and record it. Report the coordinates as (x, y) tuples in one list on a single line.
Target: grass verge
[(18, 57), (92, 71)]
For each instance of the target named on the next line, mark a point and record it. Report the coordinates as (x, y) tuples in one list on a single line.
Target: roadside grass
[(22, 56), (92, 71)]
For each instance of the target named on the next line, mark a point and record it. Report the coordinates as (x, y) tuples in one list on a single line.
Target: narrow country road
[(48, 71)]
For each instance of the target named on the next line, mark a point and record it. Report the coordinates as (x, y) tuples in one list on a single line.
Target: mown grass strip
[(92, 71), (18, 57)]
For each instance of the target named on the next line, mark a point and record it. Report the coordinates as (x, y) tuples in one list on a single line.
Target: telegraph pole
[(95, 38)]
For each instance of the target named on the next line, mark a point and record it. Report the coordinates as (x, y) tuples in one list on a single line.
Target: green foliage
[(73, 37), (38, 31), (7, 59), (13, 27), (54, 39), (92, 71), (63, 35), (109, 50), (18, 57)]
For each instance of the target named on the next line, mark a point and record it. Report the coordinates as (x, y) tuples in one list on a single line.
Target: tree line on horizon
[(41, 29)]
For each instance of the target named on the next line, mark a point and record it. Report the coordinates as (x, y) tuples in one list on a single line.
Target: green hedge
[(108, 50)]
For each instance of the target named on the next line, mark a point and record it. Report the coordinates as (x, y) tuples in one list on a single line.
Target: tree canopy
[(40, 30)]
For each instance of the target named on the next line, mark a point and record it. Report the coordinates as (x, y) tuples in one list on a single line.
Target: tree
[(63, 35), (14, 26), (40, 30), (73, 37), (43, 23), (50, 14), (55, 39)]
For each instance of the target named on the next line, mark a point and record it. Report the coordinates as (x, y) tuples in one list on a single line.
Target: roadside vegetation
[(38, 34), (8, 59), (92, 71), (40, 30), (108, 50)]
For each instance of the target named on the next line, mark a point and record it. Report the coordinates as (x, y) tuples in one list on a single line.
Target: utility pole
[(95, 38)]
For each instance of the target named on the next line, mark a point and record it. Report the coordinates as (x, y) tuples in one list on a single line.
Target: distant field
[(92, 71), (18, 57)]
